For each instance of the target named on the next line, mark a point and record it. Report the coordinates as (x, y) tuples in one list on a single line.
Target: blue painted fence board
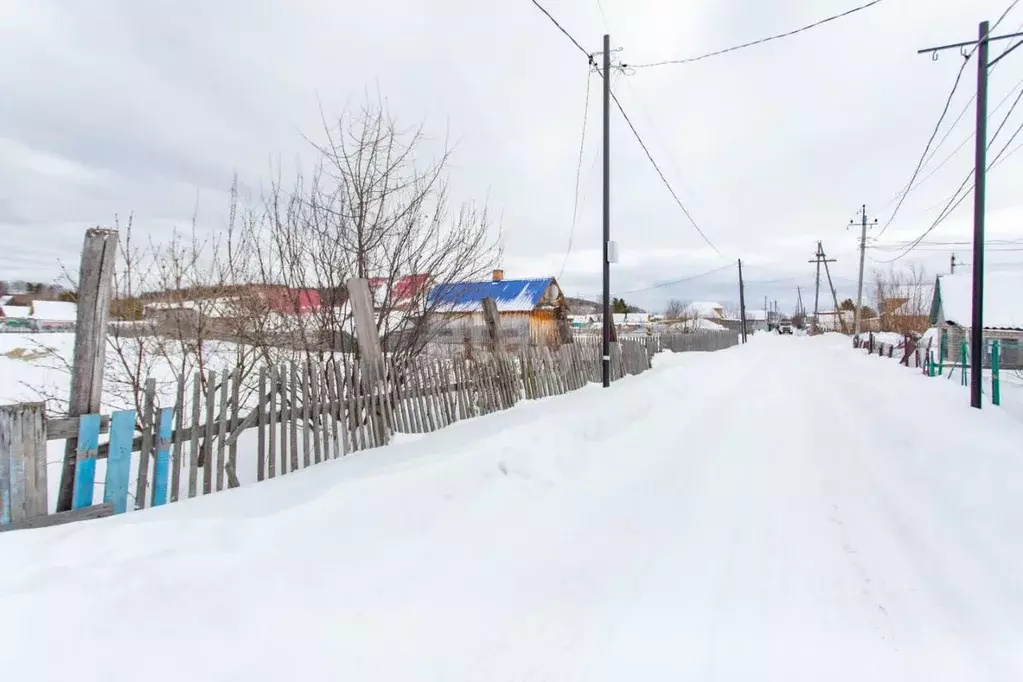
[(122, 433), (161, 467), (85, 465)]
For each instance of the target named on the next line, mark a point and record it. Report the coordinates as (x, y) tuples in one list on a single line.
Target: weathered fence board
[(193, 461), (161, 463), (81, 514), (145, 453), (179, 427), (122, 432), (85, 466), (23, 450)]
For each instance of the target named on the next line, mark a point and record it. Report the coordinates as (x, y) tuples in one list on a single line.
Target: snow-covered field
[(785, 510)]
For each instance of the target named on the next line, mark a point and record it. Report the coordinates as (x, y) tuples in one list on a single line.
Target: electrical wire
[(562, 29), (944, 111), (761, 41), (675, 281), (927, 148), (657, 168), (955, 201), (578, 174), (957, 149)]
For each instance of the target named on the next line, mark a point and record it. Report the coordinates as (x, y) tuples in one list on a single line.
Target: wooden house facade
[(533, 311)]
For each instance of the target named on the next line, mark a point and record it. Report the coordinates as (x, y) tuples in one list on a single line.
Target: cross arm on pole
[(990, 39)]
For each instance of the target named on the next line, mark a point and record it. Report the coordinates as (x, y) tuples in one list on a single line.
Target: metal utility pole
[(742, 304), (605, 365), (979, 177), (982, 44), (859, 287)]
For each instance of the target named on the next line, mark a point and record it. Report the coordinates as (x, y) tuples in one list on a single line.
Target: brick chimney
[(498, 275)]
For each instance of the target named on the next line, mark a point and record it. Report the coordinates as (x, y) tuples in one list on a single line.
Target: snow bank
[(655, 530)]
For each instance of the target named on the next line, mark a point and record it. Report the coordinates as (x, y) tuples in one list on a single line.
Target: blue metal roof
[(509, 294)]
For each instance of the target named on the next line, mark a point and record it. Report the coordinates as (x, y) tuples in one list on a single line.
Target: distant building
[(533, 311), (952, 312), (39, 316)]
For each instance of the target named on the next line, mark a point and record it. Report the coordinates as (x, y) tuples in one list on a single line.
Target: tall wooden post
[(95, 288), (493, 319), (372, 356)]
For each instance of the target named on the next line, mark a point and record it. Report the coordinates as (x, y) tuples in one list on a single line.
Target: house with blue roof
[(533, 311)]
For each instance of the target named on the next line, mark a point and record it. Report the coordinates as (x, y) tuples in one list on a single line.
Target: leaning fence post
[(492, 317), (22, 462), (369, 342), (996, 394), (95, 283)]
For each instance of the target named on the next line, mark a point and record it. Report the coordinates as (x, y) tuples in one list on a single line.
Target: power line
[(927, 148), (657, 168), (676, 281), (562, 29), (815, 24), (578, 174), (955, 200), (959, 147), (924, 159)]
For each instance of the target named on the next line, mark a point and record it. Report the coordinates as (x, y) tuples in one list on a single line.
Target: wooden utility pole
[(863, 254), (834, 296), (819, 258), (95, 289), (817, 288)]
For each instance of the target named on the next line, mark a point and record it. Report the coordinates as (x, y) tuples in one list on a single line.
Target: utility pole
[(834, 296), (799, 300), (952, 265), (984, 39), (817, 287), (820, 258), (605, 365), (742, 304), (979, 179), (859, 287), (767, 317)]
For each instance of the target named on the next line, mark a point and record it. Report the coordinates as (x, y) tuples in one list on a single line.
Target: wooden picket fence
[(301, 414)]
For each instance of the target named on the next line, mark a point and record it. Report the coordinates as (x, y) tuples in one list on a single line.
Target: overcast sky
[(112, 106)]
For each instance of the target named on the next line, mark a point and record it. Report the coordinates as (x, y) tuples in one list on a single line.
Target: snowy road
[(788, 510)]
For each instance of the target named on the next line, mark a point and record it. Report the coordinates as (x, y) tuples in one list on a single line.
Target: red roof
[(292, 301), (408, 287)]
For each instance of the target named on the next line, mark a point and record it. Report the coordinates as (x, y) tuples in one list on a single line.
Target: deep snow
[(787, 510)]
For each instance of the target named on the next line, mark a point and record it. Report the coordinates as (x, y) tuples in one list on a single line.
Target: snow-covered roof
[(16, 312), (708, 309), (1003, 299), (510, 295), (55, 311)]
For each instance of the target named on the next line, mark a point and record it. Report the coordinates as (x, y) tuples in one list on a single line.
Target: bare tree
[(370, 209), (903, 299)]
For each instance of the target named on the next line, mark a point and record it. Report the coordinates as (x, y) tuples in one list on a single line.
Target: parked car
[(784, 326)]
